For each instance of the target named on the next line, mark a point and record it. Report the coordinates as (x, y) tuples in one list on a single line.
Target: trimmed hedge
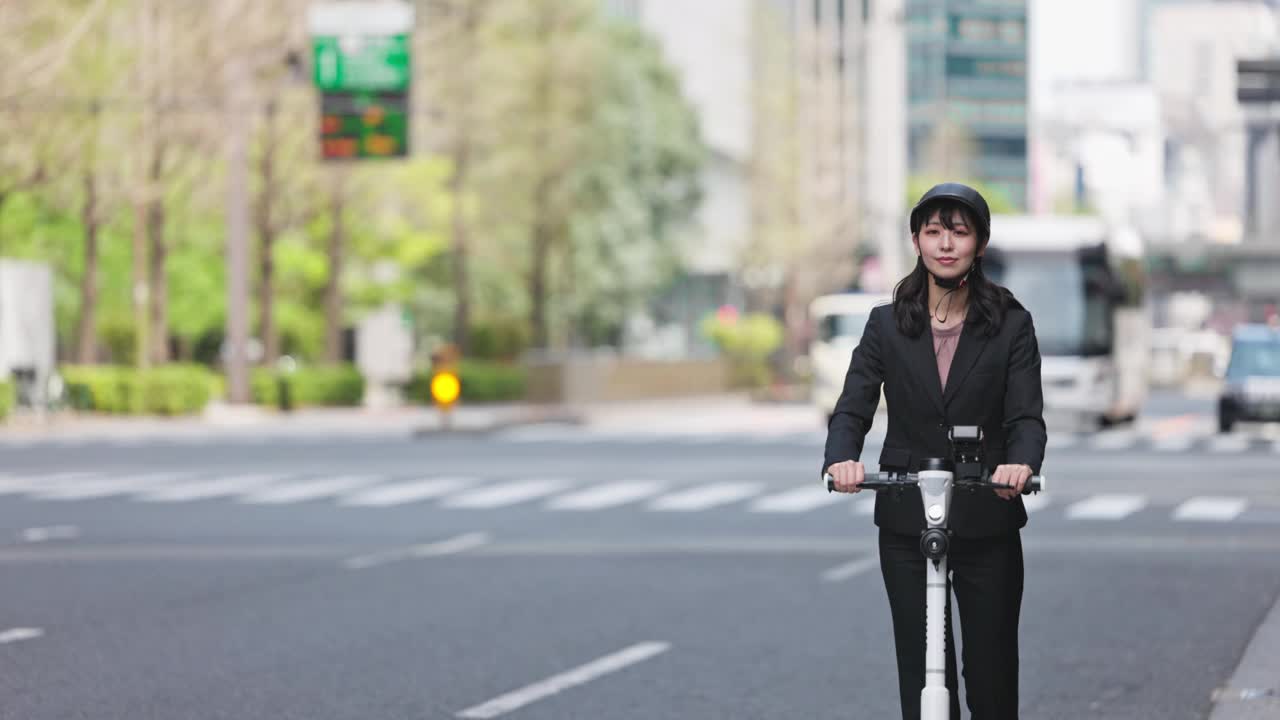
[(339, 386), (481, 382), (166, 390), (6, 398)]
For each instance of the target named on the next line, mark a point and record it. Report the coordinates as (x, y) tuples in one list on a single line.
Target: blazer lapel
[(968, 349), (924, 365)]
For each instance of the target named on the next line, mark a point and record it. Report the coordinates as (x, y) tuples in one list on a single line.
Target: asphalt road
[(554, 573)]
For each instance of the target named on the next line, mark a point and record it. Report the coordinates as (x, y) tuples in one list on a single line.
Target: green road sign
[(361, 62), (363, 70)]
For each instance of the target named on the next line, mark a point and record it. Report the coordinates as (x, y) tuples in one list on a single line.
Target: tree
[(804, 167), (996, 198), (598, 167), (457, 63)]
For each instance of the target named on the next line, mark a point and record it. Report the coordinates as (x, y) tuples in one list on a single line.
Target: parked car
[(1252, 388)]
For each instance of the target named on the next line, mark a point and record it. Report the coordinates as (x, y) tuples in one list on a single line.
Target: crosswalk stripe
[(797, 500), (865, 505), (606, 496), (1106, 507), (702, 497), (208, 489), (1213, 509), (1114, 439), (509, 493), (1035, 502), (1228, 443), (305, 490), (1177, 443), (100, 487), (1059, 441), (707, 439), (406, 492), (42, 483), (9, 484)]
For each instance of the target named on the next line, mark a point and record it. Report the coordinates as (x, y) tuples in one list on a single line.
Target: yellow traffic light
[(445, 387)]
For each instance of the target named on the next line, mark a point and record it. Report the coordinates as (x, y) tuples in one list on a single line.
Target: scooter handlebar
[(888, 481)]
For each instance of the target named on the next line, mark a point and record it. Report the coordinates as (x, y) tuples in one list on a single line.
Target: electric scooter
[(936, 481)]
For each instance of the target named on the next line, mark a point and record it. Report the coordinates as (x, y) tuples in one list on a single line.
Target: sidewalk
[(234, 421), (1253, 693), (709, 414)]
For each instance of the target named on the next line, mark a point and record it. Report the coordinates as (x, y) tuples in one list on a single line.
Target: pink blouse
[(944, 349)]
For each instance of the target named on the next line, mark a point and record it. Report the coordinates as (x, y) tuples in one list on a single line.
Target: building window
[(971, 67), (1013, 32), (1004, 147), (974, 30)]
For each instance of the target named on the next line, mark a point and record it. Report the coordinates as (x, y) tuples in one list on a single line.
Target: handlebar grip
[(873, 481)]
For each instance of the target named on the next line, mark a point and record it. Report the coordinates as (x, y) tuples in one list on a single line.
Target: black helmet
[(960, 193)]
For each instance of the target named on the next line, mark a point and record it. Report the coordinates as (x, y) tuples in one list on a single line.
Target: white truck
[(27, 334)]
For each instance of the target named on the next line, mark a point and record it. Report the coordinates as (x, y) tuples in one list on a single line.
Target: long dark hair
[(988, 301)]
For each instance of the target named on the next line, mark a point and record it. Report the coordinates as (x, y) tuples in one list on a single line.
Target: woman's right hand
[(848, 476)]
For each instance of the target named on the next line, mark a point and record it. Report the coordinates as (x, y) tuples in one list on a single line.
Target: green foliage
[(167, 390), (997, 199), (615, 143), (337, 386), (746, 342), (481, 382), (502, 338), (6, 398)]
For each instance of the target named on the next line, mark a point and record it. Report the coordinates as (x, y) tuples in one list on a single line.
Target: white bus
[(1083, 281), (838, 321)]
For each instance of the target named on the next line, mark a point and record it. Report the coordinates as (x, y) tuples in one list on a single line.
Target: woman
[(952, 349)]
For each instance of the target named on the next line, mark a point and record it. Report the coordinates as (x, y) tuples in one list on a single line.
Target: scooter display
[(937, 479)]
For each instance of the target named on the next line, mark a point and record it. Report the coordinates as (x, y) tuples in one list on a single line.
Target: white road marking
[(451, 546), (578, 676), (1106, 507), (436, 549), (1175, 443), (41, 483), (207, 489), (1058, 441), (606, 496), (797, 500), (52, 532), (106, 487), (407, 492), (1211, 509), (1228, 443), (9, 484), (505, 494), (19, 634), (306, 490), (865, 505), (1114, 440), (705, 496), (706, 439), (848, 570), (1035, 501)]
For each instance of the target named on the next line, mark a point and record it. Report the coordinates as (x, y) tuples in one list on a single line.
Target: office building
[(967, 91)]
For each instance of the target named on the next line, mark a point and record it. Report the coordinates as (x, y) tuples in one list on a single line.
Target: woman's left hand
[(1014, 476)]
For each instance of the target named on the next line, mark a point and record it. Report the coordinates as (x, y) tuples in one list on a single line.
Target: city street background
[(398, 359)]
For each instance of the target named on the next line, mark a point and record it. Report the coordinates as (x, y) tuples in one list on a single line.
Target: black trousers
[(986, 577)]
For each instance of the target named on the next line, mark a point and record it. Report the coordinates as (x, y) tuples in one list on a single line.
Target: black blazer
[(993, 382)]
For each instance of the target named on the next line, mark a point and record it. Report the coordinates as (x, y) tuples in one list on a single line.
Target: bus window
[(831, 327), (1070, 319)]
